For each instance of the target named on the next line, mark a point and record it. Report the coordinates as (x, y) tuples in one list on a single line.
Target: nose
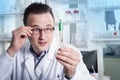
[(42, 34)]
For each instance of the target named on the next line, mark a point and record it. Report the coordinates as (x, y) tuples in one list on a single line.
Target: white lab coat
[(21, 66)]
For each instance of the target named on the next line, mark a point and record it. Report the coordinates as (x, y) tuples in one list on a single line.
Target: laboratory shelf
[(5, 39), (68, 22), (87, 49), (107, 39), (112, 56)]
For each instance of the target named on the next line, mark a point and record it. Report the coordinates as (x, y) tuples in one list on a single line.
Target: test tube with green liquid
[(61, 33)]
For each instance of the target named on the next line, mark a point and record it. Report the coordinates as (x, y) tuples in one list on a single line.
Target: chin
[(43, 48)]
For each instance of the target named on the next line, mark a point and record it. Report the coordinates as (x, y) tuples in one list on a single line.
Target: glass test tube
[(61, 33)]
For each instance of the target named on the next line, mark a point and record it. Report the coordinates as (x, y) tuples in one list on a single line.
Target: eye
[(47, 29), (35, 29)]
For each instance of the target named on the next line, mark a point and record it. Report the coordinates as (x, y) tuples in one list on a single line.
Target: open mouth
[(42, 43)]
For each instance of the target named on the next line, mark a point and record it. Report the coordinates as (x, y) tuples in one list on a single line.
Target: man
[(40, 58)]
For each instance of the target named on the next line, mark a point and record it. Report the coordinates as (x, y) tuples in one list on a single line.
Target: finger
[(65, 59), (65, 49), (69, 53), (66, 65), (28, 28), (20, 35), (24, 28), (69, 50), (20, 31), (28, 32)]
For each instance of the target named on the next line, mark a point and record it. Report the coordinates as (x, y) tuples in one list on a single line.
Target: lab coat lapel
[(29, 63), (46, 62), (50, 58)]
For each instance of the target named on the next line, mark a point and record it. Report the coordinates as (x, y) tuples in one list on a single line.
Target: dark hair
[(36, 8)]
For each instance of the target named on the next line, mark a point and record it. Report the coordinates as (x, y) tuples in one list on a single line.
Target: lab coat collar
[(29, 58), (51, 52)]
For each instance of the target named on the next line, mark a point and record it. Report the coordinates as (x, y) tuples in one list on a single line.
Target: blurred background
[(93, 26)]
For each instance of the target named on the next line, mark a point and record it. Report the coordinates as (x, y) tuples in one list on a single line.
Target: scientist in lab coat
[(35, 53)]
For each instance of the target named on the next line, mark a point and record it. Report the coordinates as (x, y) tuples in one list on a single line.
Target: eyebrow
[(35, 26), (39, 26)]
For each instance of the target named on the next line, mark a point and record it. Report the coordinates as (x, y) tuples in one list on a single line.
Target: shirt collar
[(34, 53)]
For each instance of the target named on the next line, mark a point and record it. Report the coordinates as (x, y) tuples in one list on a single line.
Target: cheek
[(50, 38), (33, 39)]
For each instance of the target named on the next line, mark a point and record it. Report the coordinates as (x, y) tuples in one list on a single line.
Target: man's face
[(42, 40)]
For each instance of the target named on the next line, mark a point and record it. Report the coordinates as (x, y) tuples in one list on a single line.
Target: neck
[(35, 51)]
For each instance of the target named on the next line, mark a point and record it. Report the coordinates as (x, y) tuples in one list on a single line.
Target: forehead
[(40, 19)]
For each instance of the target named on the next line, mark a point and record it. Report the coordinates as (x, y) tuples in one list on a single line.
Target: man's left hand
[(69, 59)]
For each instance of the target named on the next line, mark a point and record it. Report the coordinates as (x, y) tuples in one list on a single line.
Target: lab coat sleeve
[(82, 73), (6, 66)]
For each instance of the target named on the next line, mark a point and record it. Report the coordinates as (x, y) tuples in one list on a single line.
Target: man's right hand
[(19, 37)]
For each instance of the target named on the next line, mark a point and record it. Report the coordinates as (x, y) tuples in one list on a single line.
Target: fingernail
[(58, 52), (61, 48)]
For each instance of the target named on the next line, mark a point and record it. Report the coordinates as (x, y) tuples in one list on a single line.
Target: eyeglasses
[(36, 31)]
